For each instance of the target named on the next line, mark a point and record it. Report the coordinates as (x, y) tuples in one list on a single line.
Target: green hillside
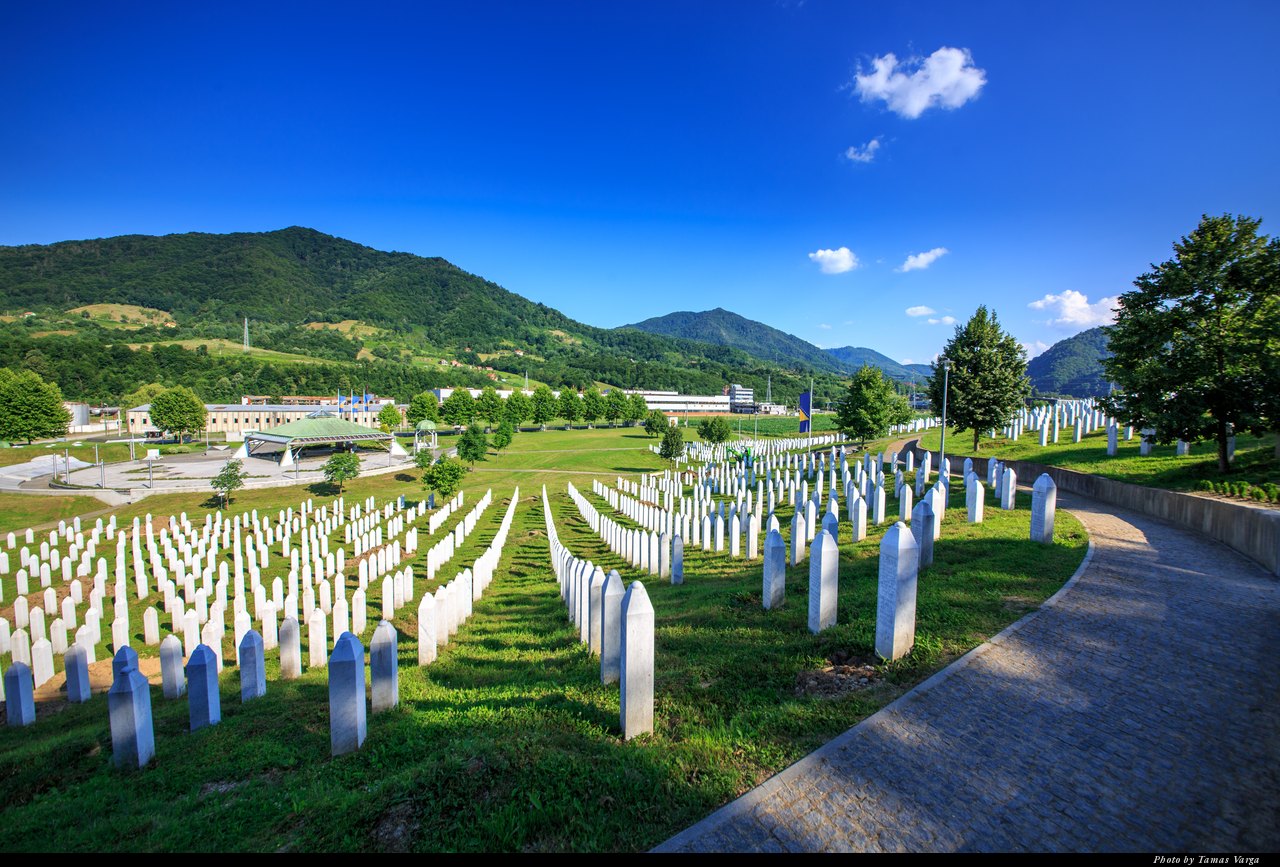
[(726, 328), (1072, 366), (398, 319), (853, 357)]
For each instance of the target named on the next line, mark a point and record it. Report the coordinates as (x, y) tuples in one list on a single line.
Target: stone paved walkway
[(1139, 711)]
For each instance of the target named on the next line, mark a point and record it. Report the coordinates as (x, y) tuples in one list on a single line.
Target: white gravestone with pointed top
[(133, 741), (636, 651), (347, 716), (204, 700), (253, 672), (775, 570), (290, 649), (1044, 505), (384, 667), (611, 628), (172, 677), (896, 593)]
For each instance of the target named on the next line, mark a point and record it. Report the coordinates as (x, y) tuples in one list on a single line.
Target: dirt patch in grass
[(396, 828), (843, 674)]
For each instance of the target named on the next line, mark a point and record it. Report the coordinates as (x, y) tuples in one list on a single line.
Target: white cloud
[(824, 326), (946, 78), (835, 261), (920, 261), (906, 361), (920, 310), (1071, 309), (1034, 347), (943, 320), (864, 154)]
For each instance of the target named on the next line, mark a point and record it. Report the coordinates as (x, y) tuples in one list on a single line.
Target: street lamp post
[(946, 376)]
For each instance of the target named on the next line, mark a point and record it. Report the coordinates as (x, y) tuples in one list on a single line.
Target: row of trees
[(459, 408)]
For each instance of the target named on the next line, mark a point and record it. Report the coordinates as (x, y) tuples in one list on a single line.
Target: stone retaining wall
[(1253, 531)]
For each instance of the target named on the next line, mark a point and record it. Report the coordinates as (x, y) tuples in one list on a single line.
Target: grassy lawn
[(509, 741), (1255, 457)]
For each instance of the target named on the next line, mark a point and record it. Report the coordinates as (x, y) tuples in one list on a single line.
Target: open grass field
[(223, 346), (122, 315), (509, 741), (1255, 457)]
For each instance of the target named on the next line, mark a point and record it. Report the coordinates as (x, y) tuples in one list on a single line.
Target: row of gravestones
[(39, 657), (615, 624), (440, 615), (442, 552), (660, 554), (437, 520), (129, 698)]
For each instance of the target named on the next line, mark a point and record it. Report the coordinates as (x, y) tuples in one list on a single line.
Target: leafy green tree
[(592, 405), (871, 406), (389, 418), (616, 406), (458, 408), (672, 443), (147, 393), (988, 378), (229, 479), (544, 405), (423, 407), (179, 411), (30, 408), (518, 409), (637, 409), (489, 406), (714, 429), (473, 445), (655, 423), (1194, 344), (570, 406), (341, 468), (444, 477), (503, 436)]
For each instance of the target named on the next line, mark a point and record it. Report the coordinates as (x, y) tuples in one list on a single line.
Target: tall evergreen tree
[(988, 378)]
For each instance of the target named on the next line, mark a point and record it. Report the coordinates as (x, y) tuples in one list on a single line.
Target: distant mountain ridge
[(726, 328), (1073, 366)]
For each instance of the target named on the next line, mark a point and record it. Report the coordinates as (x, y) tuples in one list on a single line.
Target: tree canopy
[(1195, 342), (988, 377), (503, 436), (616, 406), (341, 467), (30, 408), (871, 406), (178, 410), (517, 409), (715, 429), (389, 418), (458, 408), (229, 479), (489, 406), (592, 405), (544, 405), (443, 476), (423, 407), (655, 423), (672, 443), (473, 445), (570, 406)]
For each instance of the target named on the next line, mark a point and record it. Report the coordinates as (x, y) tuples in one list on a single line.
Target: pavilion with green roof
[(320, 428)]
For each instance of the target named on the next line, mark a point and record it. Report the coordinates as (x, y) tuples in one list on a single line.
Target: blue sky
[(624, 160)]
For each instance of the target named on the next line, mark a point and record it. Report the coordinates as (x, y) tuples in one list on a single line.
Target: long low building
[(234, 419), (671, 401)]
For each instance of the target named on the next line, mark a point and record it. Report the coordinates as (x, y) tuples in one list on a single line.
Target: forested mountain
[(853, 357), (1073, 366), (314, 295), (726, 328)]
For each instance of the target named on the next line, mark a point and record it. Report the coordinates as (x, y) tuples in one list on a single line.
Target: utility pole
[(246, 335)]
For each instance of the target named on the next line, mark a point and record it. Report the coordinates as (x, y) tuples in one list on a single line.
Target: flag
[(806, 411)]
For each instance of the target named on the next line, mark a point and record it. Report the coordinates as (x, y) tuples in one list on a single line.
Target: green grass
[(509, 741), (1255, 457)]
